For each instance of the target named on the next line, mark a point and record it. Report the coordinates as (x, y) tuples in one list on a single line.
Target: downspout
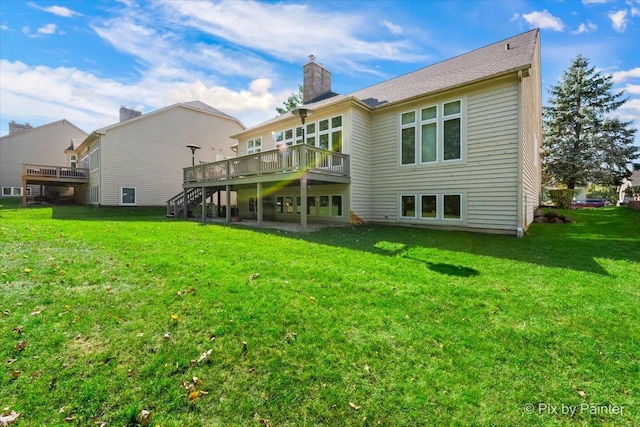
[(521, 211)]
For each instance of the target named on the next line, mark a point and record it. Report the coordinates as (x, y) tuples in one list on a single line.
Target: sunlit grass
[(111, 312)]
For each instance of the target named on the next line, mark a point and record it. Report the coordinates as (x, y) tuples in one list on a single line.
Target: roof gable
[(509, 55), (40, 128)]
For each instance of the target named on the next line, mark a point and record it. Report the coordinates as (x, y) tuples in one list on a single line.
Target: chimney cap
[(312, 58)]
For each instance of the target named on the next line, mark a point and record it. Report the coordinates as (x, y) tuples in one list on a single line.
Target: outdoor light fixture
[(193, 148), (302, 113)]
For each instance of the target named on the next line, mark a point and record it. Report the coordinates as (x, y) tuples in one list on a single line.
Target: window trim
[(135, 197), (440, 119), (280, 137), (254, 145), (440, 215)]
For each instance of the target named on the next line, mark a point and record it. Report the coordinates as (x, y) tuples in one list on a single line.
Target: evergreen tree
[(292, 102), (583, 143)]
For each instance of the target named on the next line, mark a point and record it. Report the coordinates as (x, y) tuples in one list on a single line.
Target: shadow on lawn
[(599, 233)]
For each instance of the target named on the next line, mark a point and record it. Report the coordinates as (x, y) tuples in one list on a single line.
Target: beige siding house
[(454, 145), (139, 161), (41, 145)]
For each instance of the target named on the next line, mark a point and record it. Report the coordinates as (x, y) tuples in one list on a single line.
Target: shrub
[(561, 198)]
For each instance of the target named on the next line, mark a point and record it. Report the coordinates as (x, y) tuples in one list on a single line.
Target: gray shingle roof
[(479, 64), (204, 107)]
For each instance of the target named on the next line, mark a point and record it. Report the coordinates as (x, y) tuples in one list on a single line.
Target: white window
[(254, 145), (432, 134), (323, 205), (94, 195), (12, 191), (442, 206), (84, 161), (73, 161), (127, 196), (325, 134), (94, 157)]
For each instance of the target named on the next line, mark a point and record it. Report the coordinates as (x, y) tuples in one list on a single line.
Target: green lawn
[(111, 312)]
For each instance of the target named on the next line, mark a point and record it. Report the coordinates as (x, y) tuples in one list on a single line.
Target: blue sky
[(82, 60)]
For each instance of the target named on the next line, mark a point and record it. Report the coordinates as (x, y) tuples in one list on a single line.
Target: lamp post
[(302, 113), (193, 148)]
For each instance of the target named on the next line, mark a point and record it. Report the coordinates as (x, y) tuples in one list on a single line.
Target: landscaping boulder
[(634, 204), (552, 217)]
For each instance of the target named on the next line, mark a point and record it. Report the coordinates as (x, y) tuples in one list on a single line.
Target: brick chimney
[(317, 81), (128, 114), (17, 127)]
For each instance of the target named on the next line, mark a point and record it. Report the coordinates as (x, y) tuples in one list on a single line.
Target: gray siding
[(42, 145), (531, 141), (487, 178), (149, 153), (358, 136)]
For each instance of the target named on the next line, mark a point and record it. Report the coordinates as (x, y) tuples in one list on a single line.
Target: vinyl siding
[(487, 177), (359, 163), (42, 145), (149, 153), (531, 141)]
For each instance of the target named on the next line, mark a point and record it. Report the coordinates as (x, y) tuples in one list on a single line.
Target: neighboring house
[(138, 161), (453, 145), (41, 145), (632, 182)]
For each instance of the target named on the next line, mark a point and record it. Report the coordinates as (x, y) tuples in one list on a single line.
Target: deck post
[(227, 190), (303, 203), (185, 204), (24, 192), (204, 204), (259, 202), (218, 206)]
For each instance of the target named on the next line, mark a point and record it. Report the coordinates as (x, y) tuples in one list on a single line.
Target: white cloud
[(393, 28), (595, 1), (620, 76), (618, 20), (633, 90), (56, 10), (544, 20), (4, 27), (39, 93), (289, 31), (26, 29), (585, 28), (48, 29)]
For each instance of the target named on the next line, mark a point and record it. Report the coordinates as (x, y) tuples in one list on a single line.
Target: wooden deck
[(43, 174), (51, 175), (271, 165)]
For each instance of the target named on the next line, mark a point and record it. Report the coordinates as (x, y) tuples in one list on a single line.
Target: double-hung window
[(254, 145), (94, 157), (431, 134)]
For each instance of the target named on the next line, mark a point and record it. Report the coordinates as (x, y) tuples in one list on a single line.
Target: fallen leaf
[(202, 357), (70, 419), (175, 317), (15, 374), (193, 395), (108, 288), (354, 406), (36, 374), (582, 393), (20, 346), (27, 270), (145, 417), (18, 330), (36, 312), (167, 336), (254, 276), (6, 419)]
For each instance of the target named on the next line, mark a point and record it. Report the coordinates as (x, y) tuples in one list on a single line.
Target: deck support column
[(303, 203), (204, 204), (259, 202), (185, 205), (218, 206), (24, 192), (227, 190)]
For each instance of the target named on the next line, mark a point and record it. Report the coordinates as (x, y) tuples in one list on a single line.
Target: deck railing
[(63, 173), (292, 159)]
